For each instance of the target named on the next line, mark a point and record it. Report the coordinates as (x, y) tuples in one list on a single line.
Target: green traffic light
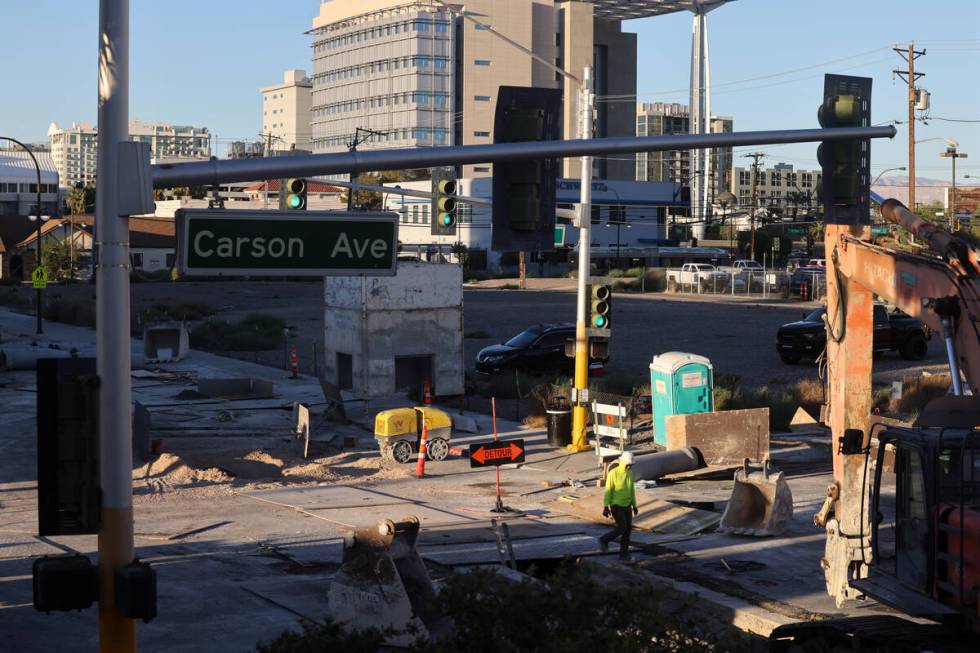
[(445, 219), (600, 321), (295, 201)]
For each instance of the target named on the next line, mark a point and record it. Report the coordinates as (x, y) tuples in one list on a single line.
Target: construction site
[(308, 434)]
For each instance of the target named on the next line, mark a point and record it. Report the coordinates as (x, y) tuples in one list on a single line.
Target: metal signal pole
[(117, 633), (579, 415)]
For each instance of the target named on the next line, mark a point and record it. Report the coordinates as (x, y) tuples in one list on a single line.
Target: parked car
[(814, 277), (699, 277), (893, 331), (817, 263), (539, 349)]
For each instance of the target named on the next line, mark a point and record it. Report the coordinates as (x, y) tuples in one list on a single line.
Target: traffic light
[(444, 189), (846, 165), (292, 195), (600, 309), (523, 214)]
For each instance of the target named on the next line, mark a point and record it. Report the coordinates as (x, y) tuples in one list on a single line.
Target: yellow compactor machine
[(399, 430)]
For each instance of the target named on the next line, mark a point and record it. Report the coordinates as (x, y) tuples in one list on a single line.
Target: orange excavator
[(902, 516)]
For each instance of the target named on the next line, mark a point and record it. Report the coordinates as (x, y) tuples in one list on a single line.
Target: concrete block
[(723, 438)]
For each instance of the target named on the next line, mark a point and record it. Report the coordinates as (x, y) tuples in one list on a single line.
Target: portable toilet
[(680, 384)]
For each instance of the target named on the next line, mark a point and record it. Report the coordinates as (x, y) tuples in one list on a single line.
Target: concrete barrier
[(724, 438)]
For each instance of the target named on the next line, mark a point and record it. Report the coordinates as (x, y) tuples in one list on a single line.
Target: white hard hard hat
[(626, 458)]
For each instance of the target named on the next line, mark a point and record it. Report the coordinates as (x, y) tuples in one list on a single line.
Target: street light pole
[(884, 171), (953, 153), (37, 263)]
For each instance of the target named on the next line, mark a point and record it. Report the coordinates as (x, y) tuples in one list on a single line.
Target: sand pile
[(170, 470)]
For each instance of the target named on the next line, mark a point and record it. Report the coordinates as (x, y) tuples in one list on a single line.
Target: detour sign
[(494, 454)]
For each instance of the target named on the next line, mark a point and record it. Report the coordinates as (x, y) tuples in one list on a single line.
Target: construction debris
[(382, 582), (723, 437)]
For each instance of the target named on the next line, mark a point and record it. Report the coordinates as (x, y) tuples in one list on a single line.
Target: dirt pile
[(170, 471)]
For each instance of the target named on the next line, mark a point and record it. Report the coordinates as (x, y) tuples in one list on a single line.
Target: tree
[(76, 199), (371, 200), (57, 260)]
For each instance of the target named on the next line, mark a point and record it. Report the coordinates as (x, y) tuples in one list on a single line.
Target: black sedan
[(539, 349), (893, 331)]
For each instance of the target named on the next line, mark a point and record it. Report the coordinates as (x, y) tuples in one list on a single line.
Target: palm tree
[(76, 199)]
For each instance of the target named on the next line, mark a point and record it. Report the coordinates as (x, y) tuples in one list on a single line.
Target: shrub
[(731, 396), (70, 311), (256, 332)]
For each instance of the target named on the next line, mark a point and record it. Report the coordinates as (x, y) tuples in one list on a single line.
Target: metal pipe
[(169, 175), (116, 632), (650, 467), (954, 369), (962, 257)]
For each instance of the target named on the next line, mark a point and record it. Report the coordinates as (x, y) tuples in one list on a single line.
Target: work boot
[(626, 557), (603, 545)]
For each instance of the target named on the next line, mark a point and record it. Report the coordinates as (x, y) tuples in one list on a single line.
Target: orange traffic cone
[(427, 398), (423, 450), (294, 362)]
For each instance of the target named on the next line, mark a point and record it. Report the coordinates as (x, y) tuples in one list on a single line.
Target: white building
[(423, 75), (286, 112), (778, 187), (75, 149), (18, 183)]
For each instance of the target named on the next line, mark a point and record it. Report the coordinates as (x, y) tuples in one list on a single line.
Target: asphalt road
[(737, 335)]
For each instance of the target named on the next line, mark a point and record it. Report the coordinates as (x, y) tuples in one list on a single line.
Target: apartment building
[(18, 183), (777, 187), (660, 119), (422, 74), (286, 112), (75, 148)]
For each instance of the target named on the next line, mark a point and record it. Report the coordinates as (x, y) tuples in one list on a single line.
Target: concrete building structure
[(18, 183), (777, 187), (661, 118), (286, 112), (74, 148), (423, 74), (632, 214), (385, 335)]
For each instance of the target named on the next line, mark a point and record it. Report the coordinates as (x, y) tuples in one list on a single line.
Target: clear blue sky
[(202, 63)]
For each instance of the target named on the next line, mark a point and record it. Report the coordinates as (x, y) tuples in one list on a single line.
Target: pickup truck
[(698, 277), (893, 331)]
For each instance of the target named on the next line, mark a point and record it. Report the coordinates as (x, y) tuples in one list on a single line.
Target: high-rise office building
[(422, 74), (74, 148), (286, 112), (661, 119)]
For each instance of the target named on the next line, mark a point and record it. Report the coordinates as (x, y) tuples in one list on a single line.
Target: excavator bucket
[(383, 583), (761, 503)]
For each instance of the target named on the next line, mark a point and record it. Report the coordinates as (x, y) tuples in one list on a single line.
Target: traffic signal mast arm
[(170, 175)]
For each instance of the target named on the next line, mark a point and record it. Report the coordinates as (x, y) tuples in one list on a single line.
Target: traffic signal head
[(845, 163), (444, 207), (292, 195), (600, 307), (523, 215)]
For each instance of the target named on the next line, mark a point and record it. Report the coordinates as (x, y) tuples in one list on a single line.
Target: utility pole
[(265, 184), (755, 156), (910, 77), (117, 633), (579, 410)]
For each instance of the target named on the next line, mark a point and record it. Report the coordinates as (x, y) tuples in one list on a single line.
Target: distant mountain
[(927, 191)]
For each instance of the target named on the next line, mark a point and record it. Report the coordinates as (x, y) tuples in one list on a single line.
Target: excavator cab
[(925, 526)]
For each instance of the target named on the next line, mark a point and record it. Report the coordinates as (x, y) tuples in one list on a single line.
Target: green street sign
[(796, 231), (559, 235), (213, 242)]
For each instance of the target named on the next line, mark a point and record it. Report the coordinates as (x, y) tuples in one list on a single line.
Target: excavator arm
[(944, 292)]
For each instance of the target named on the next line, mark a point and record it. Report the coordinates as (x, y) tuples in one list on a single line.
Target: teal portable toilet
[(680, 384)]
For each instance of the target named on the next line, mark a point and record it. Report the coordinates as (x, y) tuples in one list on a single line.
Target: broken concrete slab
[(723, 437), (247, 388)]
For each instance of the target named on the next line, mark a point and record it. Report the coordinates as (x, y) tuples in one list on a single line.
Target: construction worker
[(620, 503)]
